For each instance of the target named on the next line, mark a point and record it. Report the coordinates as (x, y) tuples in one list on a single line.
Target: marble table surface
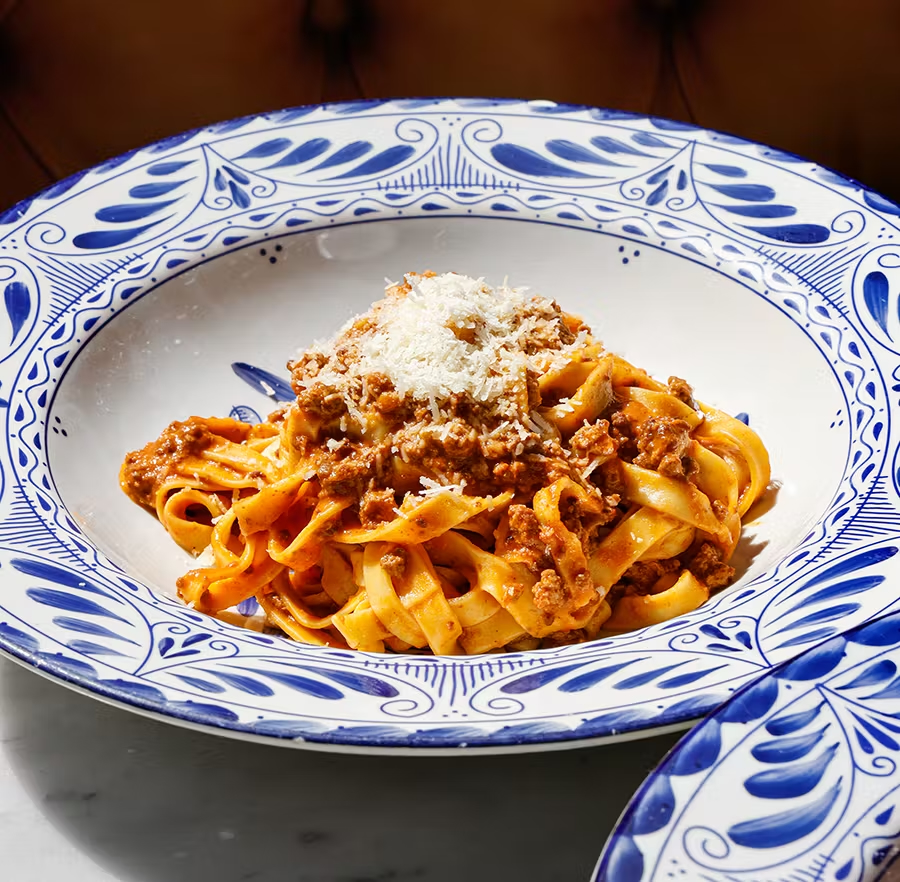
[(93, 793)]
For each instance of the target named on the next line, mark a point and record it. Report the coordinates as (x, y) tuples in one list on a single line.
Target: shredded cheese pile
[(450, 335)]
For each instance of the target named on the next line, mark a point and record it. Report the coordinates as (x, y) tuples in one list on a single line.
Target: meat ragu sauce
[(581, 416)]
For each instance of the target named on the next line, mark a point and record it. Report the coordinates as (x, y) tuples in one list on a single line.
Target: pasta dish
[(464, 470)]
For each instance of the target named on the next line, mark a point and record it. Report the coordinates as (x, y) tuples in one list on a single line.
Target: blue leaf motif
[(292, 113), (672, 125), (786, 827), (347, 153), (71, 603), (881, 632), (794, 234), (244, 683), (838, 589), (17, 300), (611, 145), (728, 171), (658, 194), (813, 664), (829, 614), (125, 214), (858, 561), (699, 751), (878, 733), (789, 783), (875, 295), (842, 872), (267, 148), (686, 679), (528, 162), (83, 626), (199, 637), (379, 162), (154, 190), (530, 682), (239, 195), (760, 211), (88, 647), (879, 203), (572, 152), (248, 607), (24, 641), (58, 662), (873, 675), (202, 685), (165, 645), (97, 239), (357, 106), (585, 681), (645, 139), (892, 690), (42, 570), (788, 750), (624, 862), (810, 636), (364, 683), (278, 388), (751, 703), (745, 192), (306, 151), (655, 808), (162, 169), (62, 186), (785, 725), (303, 684), (643, 679)]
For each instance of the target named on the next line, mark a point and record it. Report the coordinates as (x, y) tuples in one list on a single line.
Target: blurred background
[(83, 80)]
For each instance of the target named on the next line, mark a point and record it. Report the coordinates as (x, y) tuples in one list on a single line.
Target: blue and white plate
[(179, 278), (796, 778)]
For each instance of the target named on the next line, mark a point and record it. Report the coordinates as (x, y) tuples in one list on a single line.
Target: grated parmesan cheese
[(433, 488), (448, 335)]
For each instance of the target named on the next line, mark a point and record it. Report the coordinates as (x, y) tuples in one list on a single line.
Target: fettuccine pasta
[(464, 470)]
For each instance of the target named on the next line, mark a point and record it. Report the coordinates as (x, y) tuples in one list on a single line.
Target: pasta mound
[(464, 470)]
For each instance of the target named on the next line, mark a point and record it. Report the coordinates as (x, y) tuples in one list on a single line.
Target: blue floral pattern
[(809, 243), (808, 757)]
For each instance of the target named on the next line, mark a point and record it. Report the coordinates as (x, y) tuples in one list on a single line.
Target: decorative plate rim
[(552, 171), (652, 824)]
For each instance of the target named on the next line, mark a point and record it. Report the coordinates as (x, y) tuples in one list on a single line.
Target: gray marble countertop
[(92, 793)]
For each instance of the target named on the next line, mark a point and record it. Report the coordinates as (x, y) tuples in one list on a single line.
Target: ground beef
[(376, 507), (523, 540), (608, 478), (394, 562), (580, 519), (322, 401), (388, 403), (550, 595), (146, 469), (662, 443), (622, 432), (533, 390), (593, 442), (641, 576), (349, 476), (681, 390), (708, 567), (554, 335)]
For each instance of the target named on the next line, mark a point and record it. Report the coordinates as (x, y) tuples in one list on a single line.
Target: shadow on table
[(151, 802)]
